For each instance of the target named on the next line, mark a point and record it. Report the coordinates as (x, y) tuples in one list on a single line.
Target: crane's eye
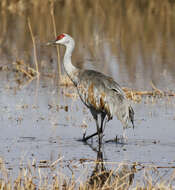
[(60, 37)]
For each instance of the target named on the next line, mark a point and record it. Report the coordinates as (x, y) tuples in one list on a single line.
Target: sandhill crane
[(100, 93)]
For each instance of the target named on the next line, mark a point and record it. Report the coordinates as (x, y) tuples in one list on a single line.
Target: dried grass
[(32, 178), (55, 34), (34, 48), (134, 95)]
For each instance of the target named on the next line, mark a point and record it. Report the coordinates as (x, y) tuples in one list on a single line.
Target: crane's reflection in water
[(102, 177)]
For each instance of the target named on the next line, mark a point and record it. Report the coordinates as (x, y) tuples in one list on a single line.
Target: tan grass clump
[(32, 178)]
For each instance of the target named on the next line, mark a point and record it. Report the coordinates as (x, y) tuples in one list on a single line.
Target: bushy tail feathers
[(125, 114), (123, 110)]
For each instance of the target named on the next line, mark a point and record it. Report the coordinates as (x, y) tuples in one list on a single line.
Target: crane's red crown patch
[(60, 37)]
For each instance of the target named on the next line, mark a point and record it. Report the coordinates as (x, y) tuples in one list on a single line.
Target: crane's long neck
[(70, 69)]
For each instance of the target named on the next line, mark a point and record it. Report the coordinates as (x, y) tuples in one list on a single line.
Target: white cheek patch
[(57, 42), (67, 42), (62, 41)]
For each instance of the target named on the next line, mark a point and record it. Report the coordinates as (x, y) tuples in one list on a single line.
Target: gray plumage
[(100, 93)]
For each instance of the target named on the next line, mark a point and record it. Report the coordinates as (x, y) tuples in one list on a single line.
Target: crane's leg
[(99, 132), (85, 138), (103, 115), (99, 129)]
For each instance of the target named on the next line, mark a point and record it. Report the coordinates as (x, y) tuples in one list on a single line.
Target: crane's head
[(63, 39)]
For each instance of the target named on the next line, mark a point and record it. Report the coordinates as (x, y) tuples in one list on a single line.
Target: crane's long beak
[(51, 43)]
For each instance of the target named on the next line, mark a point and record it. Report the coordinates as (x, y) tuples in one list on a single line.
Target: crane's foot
[(85, 138), (118, 140), (124, 137), (121, 140)]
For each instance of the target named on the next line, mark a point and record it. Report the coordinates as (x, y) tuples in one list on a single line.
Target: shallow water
[(35, 125)]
